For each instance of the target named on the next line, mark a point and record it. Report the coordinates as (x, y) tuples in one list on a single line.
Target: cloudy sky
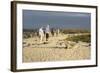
[(35, 19)]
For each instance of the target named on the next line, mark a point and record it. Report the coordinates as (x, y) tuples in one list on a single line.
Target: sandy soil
[(54, 50)]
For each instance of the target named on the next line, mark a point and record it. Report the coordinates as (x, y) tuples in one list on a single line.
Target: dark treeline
[(30, 30), (61, 30), (72, 31)]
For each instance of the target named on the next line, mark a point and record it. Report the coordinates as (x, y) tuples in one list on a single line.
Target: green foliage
[(83, 38)]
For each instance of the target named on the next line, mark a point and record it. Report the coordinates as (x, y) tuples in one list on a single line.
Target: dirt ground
[(55, 49)]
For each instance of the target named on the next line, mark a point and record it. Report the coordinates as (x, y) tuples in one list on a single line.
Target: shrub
[(83, 38)]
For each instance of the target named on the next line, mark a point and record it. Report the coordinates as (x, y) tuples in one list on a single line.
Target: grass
[(83, 38)]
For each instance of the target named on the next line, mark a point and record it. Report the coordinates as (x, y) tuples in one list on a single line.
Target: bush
[(83, 38)]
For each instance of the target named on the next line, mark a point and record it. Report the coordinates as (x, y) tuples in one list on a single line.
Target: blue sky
[(71, 20)]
